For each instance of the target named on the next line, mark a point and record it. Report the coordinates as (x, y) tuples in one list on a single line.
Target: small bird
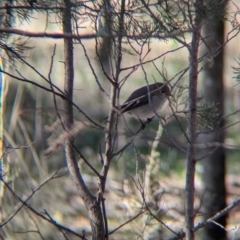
[(146, 101)]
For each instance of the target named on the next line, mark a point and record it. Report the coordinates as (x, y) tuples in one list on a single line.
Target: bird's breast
[(149, 110)]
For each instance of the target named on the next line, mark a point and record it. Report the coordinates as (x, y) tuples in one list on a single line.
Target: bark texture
[(192, 128), (92, 205), (214, 163)]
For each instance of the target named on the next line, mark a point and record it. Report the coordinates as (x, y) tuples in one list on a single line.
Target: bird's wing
[(139, 97), (135, 100)]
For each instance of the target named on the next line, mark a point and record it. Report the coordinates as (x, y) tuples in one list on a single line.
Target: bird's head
[(164, 89)]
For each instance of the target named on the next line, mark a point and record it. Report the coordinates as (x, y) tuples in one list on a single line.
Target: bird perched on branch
[(145, 102)]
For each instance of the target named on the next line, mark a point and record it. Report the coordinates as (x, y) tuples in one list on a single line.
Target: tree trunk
[(92, 205), (214, 194), (192, 128)]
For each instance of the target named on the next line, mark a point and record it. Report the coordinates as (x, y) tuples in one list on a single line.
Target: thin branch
[(86, 36), (56, 93), (130, 220), (25, 204), (114, 154), (210, 220)]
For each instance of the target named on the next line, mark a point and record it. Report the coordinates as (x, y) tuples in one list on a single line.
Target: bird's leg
[(149, 119), (147, 122)]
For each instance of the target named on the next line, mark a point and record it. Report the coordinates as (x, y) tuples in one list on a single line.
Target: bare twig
[(24, 203), (210, 220)]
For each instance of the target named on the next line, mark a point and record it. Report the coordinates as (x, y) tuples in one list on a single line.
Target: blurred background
[(30, 126)]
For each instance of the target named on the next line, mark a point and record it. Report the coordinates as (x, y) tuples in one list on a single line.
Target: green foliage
[(213, 10), (237, 70), (207, 115)]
